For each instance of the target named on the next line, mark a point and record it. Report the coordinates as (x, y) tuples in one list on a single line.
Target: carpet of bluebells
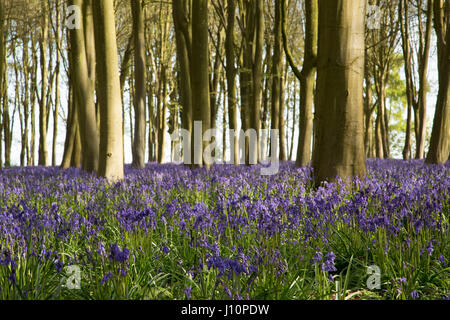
[(167, 232)]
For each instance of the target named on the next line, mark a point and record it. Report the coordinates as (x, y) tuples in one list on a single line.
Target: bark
[(24, 154), (140, 78), (111, 164), (283, 121), (199, 75), (231, 73), (306, 77), (43, 107), (368, 112), (2, 67), (440, 137), (57, 73), (277, 73), (410, 94), (71, 130), (339, 150), (424, 50), (84, 89), (257, 68), (183, 42), (31, 160)]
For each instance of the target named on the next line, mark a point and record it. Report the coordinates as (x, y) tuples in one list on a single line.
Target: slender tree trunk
[(111, 164), (339, 150), (3, 33), (6, 122), (277, 72), (33, 91), (26, 100), (306, 77), (282, 118), (406, 47), (257, 69), (57, 71), (43, 108), (231, 73), (425, 43)]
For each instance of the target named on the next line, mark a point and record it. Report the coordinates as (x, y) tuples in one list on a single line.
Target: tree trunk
[(283, 121), (424, 51), (57, 72), (183, 41), (410, 96), (43, 108), (277, 72), (339, 150), (111, 164), (140, 78), (199, 77), (84, 89), (231, 72), (3, 33), (257, 69), (440, 137), (306, 77)]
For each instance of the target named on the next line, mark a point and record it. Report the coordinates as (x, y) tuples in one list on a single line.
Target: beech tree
[(140, 85), (83, 59), (339, 149), (111, 148), (440, 136), (199, 76)]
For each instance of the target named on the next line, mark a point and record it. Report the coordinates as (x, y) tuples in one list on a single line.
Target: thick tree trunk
[(84, 89), (140, 78), (111, 164), (339, 150), (440, 137), (199, 77)]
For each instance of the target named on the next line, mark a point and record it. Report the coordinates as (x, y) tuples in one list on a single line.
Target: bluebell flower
[(106, 278), (187, 292), (414, 294), (119, 255)]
